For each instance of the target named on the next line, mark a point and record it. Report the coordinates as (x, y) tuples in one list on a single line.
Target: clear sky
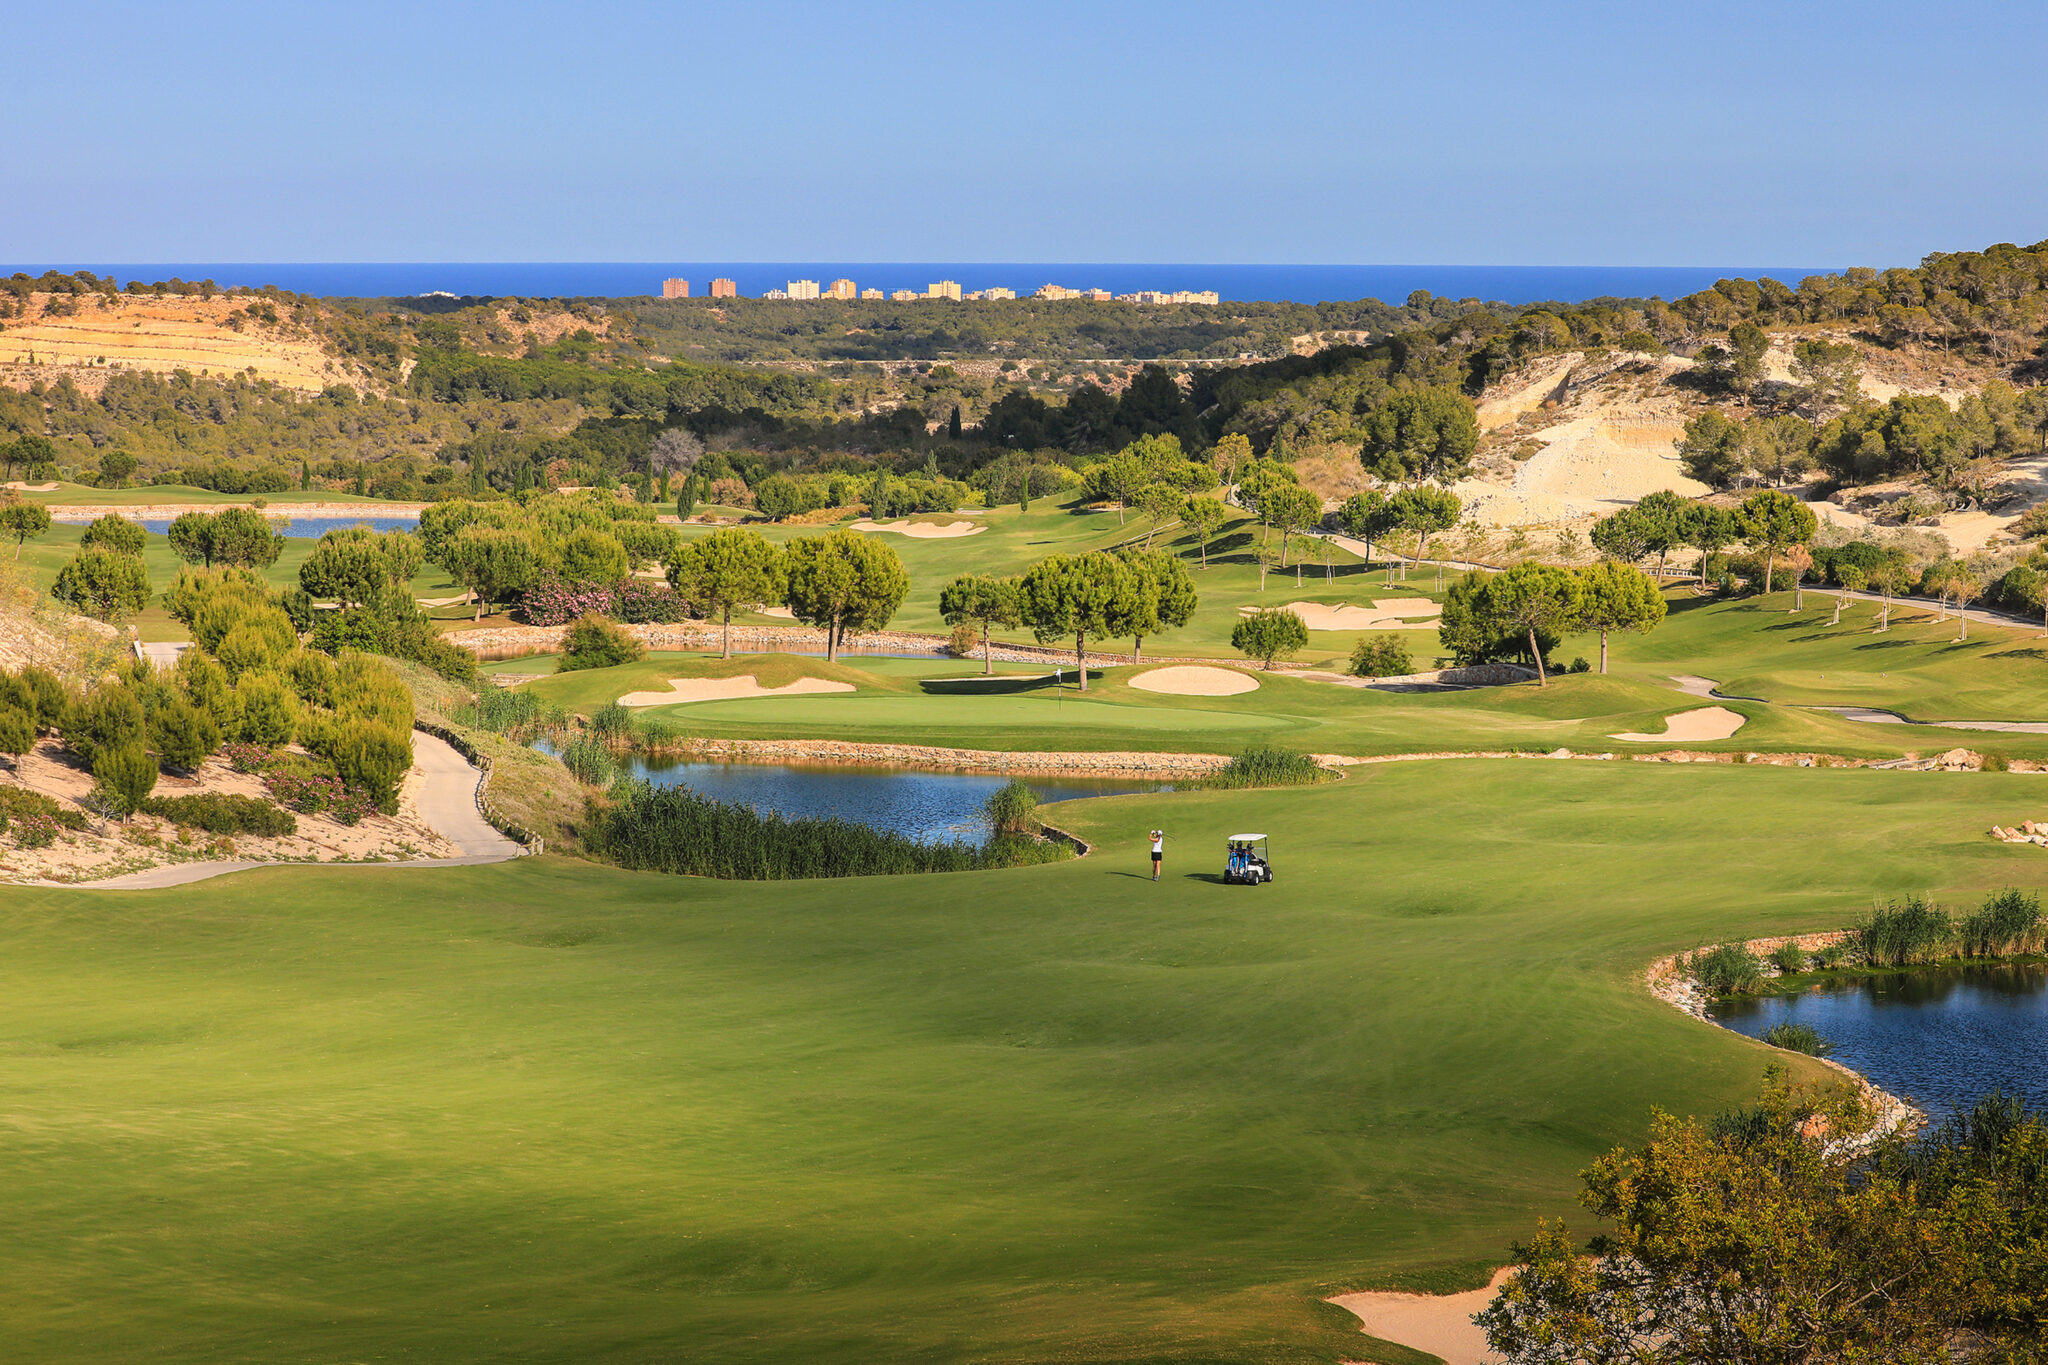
[(1538, 132)]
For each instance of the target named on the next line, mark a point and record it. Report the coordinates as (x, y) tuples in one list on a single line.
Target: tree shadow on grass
[(1000, 686)]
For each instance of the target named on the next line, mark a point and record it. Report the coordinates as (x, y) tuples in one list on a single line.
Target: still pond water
[(928, 806), (310, 528), (1940, 1038)]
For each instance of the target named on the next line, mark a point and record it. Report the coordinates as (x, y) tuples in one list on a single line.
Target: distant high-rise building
[(776, 294), (904, 295), (1055, 292), (675, 289), (873, 294), (842, 289), (803, 289), (999, 293), (1093, 295), (944, 289), (724, 289)]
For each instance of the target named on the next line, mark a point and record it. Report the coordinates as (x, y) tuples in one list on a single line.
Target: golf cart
[(1247, 860)]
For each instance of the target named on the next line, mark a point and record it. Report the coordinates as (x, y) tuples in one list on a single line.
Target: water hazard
[(309, 528), (927, 806), (1940, 1038)]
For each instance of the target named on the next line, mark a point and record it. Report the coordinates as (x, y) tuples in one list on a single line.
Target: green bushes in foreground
[(1264, 765), (674, 829), (223, 813)]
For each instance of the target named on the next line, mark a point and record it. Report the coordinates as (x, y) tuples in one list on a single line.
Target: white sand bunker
[(1389, 613), (779, 613), (1440, 1324), (33, 487), (1194, 680), (922, 530), (729, 689), (1708, 722)]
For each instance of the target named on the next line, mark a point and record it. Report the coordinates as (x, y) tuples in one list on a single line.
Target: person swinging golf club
[(1158, 851)]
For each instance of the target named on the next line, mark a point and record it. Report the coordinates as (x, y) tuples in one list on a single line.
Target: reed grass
[(589, 761), (1908, 933), (1266, 765), (1789, 957), (2008, 924), (1798, 1038), (1726, 969)]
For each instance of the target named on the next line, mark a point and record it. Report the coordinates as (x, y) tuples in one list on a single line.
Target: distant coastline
[(1235, 283)]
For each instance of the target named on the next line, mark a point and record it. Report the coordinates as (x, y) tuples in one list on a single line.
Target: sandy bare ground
[(437, 820), (21, 487), (1392, 613), (1440, 1324), (730, 689), (141, 332), (922, 530), (779, 613), (1522, 393), (1695, 726), (1194, 680)]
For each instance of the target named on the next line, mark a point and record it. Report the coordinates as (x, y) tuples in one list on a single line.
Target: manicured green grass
[(908, 701), (1015, 540), (545, 1111)]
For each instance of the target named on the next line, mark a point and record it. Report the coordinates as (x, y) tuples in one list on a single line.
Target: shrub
[(2007, 924), (126, 775), (1729, 969), (1012, 809), (182, 734), (1788, 958), (1798, 1038), (1382, 656), (266, 711), (370, 757), (1905, 934), (594, 642), (1579, 665), (1270, 634), (1834, 956), (1266, 766), (221, 813), (107, 717), (19, 803)]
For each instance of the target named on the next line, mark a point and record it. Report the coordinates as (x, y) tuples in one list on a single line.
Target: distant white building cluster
[(942, 289)]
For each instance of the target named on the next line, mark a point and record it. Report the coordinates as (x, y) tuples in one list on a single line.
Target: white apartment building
[(803, 289)]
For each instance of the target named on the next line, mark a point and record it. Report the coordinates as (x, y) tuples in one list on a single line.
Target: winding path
[(447, 803)]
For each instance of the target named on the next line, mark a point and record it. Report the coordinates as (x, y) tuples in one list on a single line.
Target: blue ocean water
[(1265, 283)]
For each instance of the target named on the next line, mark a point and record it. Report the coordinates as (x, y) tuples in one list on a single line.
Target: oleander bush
[(19, 803)]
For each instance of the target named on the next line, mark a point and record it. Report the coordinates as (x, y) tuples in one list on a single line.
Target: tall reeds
[(1908, 933), (1266, 765)]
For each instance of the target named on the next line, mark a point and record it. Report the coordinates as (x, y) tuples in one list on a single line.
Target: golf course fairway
[(547, 1111)]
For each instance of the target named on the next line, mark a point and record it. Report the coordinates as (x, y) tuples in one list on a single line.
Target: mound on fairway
[(1708, 722), (922, 530), (1195, 680), (729, 689)]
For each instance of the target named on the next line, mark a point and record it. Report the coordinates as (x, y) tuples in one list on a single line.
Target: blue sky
[(1531, 133)]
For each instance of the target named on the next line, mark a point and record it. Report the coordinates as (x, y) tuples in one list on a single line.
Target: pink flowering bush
[(551, 602)]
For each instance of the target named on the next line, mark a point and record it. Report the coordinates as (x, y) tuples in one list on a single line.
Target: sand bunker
[(921, 530), (1440, 1324), (1387, 613), (729, 689), (1708, 722), (1194, 680), (32, 487), (779, 613)]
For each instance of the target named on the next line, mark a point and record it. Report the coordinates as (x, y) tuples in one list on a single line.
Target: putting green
[(547, 1111)]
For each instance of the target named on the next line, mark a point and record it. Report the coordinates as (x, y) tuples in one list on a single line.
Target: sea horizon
[(1235, 283)]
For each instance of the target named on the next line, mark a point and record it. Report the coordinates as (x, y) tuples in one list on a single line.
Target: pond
[(309, 528), (1940, 1038), (927, 806)]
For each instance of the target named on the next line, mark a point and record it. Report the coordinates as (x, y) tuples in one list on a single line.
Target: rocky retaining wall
[(171, 511), (1669, 982), (506, 642), (1065, 763)]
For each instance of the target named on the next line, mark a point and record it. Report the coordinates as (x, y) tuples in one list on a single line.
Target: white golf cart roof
[(1246, 838)]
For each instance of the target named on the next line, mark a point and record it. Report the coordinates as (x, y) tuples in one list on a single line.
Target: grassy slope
[(1747, 645), (545, 1111)]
